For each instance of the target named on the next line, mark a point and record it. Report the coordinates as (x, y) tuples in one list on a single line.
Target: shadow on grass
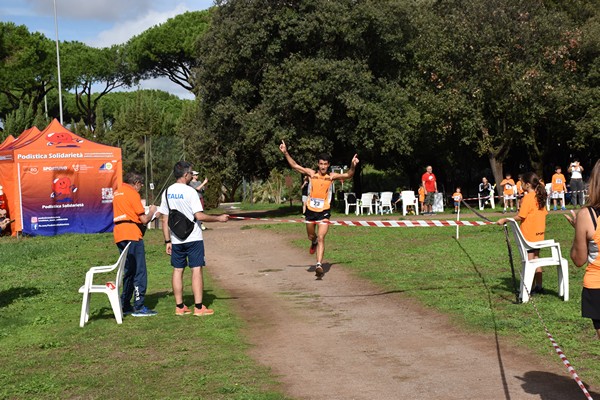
[(536, 382), (8, 296)]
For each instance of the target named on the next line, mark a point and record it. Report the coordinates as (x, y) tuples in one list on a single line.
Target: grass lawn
[(469, 279), (45, 354)]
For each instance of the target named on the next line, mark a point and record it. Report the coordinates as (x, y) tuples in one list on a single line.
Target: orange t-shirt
[(558, 183), (319, 193), (508, 184), (421, 194), (519, 186), (457, 197), (127, 206), (533, 225)]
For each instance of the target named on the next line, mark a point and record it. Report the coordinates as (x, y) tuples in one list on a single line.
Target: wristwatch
[(167, 241)]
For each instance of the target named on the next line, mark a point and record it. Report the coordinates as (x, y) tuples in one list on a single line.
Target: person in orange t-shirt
[(129, 214), (318, 207), (559, 187), (585, 249), (533, 220), (457, 198), (508, 189), (421, 193)]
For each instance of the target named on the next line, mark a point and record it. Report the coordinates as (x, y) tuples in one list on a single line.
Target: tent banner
[(69, 196)]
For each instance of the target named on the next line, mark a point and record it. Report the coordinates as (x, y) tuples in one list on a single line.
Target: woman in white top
[(575, 169)]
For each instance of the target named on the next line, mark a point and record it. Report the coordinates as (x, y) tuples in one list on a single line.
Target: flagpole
[(58, 66)]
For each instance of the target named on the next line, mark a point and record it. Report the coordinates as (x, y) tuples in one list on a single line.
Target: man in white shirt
[(188, 250)]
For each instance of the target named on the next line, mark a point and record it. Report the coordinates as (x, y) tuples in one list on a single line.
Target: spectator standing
[(304, 188), (585, 249), (129, 214), (520, 190), (576, 170), (199, 187), (421, 192), (508, 190), (457, 197), (187, 251), (486, 191), (559, 187), (430, 184)]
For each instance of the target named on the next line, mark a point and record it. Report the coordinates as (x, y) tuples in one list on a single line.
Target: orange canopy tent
[(57, 182)]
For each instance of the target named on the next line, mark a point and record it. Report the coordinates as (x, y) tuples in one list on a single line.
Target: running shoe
[(127, 310), (319, 270), (143, 312), (201, 312), (182, 311), (313, 247)]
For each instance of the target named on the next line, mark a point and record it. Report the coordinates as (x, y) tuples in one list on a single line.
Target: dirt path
[(343, 338)]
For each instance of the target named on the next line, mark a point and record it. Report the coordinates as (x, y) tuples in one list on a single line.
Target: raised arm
[(295, 166), (348, 174)]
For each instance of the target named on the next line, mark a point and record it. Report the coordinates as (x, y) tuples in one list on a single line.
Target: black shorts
[(311, 215), (590, 303)]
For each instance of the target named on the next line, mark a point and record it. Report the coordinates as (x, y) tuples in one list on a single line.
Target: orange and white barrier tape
[(378, 224)]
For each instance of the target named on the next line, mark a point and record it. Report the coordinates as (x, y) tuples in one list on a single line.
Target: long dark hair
[(536, 185), (594, 189)]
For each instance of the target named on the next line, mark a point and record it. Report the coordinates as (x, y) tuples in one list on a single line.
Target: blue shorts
[(185, 254)]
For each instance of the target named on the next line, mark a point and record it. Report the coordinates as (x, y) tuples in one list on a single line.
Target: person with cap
[(199, 187)]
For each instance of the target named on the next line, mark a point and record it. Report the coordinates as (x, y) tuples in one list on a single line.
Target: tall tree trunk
[(536, 155)]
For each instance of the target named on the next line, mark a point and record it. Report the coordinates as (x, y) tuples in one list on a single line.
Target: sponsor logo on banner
[(55, 168), (106, 167), (31, 170), (81, 167)]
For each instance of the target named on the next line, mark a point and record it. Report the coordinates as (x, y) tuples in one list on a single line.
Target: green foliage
[(27, 67), (321, 74), (168, 49), (144, 128)]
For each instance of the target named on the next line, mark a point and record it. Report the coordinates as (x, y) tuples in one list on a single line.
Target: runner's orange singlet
[(319, 193)]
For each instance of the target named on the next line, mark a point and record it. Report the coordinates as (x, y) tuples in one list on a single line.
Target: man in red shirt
[(430, 185)]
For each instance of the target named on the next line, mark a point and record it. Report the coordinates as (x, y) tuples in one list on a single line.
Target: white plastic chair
[(529, 266), (409, 200), (385, 203), (350, 201), (111, 288), (484, 199), (366, 202)]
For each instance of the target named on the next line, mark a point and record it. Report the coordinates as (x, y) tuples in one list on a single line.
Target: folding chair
[(529, 266), (111, 288)]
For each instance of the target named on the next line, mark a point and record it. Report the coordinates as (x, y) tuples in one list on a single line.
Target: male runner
[(318, 208)]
